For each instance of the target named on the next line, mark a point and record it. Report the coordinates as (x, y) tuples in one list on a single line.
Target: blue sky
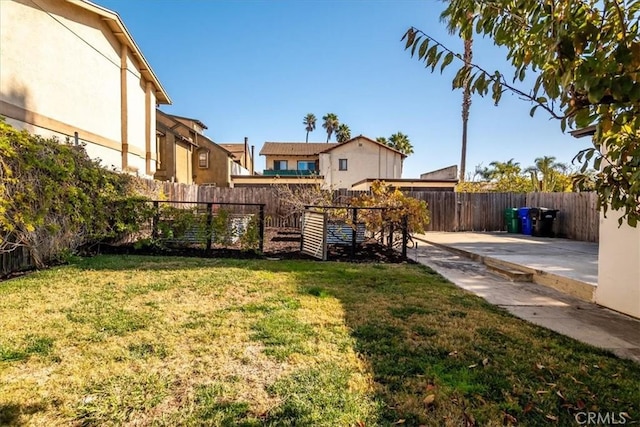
[(256, 68)]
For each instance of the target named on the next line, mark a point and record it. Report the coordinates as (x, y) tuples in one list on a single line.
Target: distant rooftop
[(294, 148)]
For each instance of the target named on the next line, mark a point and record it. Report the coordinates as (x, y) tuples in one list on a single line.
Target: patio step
[(508, 273)]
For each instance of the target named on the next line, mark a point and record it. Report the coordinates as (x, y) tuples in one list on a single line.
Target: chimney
[(246, 151), (253, 172)]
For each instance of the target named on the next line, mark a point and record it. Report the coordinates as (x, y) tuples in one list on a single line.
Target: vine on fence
[(54, 198)]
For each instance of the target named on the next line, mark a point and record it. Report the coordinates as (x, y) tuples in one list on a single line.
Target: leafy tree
[(310, 124), (343, 133), (330, 124), (585, 55), (548, 175)]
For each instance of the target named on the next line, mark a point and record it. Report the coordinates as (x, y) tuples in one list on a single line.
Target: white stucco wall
[(108, 158), (136, 112), (49, 70), (365, 159), (619, 266), (60, 74)]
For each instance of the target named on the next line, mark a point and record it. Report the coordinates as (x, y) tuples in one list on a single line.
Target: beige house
[(176, 148), (360, 158), (70, 68), (187, 155), (618, 259), (331, 164)]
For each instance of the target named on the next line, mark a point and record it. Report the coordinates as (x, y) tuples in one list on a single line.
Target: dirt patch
[(279, 243)]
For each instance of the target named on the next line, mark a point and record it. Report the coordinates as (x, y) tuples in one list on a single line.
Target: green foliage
[(54, 198), (585, 56), (330, 124), (309, 123), (508, 177), (343, 133), (398, 141), (400, 205)]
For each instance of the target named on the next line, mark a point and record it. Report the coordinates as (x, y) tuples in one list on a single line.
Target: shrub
[(54, 198), (399, 205)]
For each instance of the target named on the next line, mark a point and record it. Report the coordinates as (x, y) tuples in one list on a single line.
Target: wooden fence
[(578, 218)]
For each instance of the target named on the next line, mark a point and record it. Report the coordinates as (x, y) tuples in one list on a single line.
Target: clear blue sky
[(256, 68)]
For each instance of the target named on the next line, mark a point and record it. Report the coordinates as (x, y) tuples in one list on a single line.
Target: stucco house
[(333, 165), (242, 154), (618, 258), (187, 155), (70, 68), (352, 165)]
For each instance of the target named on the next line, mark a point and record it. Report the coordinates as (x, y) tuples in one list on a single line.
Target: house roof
[(116, 25), (178, 123), (368, 139), (588, 131), (196, 121), (294, 148), (233, 148), (237, 150)]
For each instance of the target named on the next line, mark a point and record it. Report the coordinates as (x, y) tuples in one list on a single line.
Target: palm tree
[(466, 104), (400, 142), (466, 93), (382, 140), (500, 170), (310, 123), (546, 173), (331, 123), (343, 133)]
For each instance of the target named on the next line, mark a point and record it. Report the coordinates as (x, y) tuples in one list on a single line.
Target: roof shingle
[(294, 148)]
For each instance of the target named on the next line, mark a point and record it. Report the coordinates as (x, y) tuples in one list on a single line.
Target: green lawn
[(118, 340)]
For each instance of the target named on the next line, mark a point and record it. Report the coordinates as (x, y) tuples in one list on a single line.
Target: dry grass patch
[(164, 341)]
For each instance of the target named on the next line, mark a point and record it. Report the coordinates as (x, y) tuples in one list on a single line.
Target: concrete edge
[(575, 288)]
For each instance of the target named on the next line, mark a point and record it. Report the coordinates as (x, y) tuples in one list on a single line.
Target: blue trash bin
[(525, 221)]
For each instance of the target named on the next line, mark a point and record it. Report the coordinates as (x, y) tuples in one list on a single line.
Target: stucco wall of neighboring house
[(136, 120), (619, 266), (365, 159), (292, 161), (61, 73), (184, 170), (108, 157), (219, 170)]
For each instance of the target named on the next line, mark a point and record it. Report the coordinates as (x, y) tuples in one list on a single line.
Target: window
[(305, 165), (203, 159), (280, 165), (342, 164)]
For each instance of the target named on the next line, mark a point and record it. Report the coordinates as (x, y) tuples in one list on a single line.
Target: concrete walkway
[(539, 304)]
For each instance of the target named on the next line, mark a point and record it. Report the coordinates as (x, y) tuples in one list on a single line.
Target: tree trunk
[(307, 141), (466, 104)]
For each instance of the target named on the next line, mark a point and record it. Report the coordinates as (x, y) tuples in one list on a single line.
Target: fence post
[(405, 235), (156, 218), (261, 227), (354, 233), (209, 229)]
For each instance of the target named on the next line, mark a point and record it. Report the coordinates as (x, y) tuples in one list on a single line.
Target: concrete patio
[(557, 297)]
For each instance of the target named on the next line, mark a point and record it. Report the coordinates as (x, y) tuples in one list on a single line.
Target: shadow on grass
[(438, 355), (10, 414)]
